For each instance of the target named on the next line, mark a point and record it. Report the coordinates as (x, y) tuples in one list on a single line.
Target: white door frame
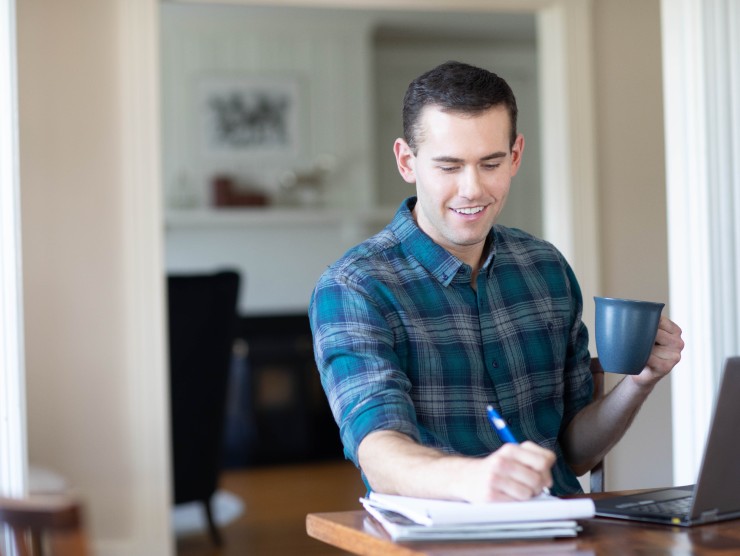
[(13, 449)]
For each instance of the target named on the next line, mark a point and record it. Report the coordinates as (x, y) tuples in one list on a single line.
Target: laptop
[(716, 494)]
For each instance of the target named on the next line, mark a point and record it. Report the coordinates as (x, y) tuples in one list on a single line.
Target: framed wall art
[(249, 116)]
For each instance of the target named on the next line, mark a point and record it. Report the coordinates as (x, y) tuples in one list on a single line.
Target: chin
[(470, 241)]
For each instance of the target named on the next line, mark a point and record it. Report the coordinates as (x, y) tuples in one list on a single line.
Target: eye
[(491, 166), (448, 169)]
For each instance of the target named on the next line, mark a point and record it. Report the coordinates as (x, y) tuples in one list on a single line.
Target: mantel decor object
[(226, 193)]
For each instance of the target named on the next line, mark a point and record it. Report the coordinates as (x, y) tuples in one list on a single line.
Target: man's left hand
[(666, 353)]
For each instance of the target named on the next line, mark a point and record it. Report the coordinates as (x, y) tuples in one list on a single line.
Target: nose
[(470, 185)]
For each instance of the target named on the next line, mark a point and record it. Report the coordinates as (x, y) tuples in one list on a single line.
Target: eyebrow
[(499, 154)]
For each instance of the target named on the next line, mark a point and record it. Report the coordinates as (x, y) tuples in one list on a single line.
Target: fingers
[(518, 472), (668, 346), (666, 353), (538, 458), (669, 334)]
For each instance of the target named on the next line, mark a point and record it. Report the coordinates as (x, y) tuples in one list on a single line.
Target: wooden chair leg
[(19, 540), (215, 534), (34, 525), (36, 546), (597, 478), (68, 542)]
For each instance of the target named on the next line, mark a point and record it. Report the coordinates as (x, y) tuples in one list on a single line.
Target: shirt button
[(549, 326), (495, 364)]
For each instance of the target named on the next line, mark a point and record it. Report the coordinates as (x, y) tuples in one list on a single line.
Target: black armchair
[(202, 324)]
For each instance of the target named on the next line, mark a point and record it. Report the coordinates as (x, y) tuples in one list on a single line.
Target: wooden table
[(358, 533)]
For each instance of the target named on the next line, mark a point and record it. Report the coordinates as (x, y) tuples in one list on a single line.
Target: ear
[(405, 160), (517, 150)]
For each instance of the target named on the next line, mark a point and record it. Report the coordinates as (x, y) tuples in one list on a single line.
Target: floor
[(277, 500)]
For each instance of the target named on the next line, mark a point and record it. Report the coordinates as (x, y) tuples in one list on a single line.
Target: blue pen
[(502, 429)]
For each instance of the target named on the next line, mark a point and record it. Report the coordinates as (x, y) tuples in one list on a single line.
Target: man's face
[(462, 171)]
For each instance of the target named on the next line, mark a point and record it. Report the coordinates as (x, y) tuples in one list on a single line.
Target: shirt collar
[(435, 259)]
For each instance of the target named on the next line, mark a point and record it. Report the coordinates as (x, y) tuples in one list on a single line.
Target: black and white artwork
[(250, 116)]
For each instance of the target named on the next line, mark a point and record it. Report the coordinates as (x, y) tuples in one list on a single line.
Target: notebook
[(417, 519), (429, 512), (716, 494), (401, 528)]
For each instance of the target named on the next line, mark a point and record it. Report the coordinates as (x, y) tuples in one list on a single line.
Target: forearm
[(393, 463), (601, 424)]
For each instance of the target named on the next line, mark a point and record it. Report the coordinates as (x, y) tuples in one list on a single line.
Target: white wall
[(328, 58), (632, 209), (94, 327), (279, 253)]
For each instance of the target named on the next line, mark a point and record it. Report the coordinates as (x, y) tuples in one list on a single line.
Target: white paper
[(426, 511), (401, 528)]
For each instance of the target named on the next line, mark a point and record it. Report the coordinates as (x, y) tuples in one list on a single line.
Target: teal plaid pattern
[(404, 343)]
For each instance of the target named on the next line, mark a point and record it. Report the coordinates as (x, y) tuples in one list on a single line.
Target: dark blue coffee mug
[(625, 333)]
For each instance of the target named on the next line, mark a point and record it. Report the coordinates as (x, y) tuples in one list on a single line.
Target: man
[(419, 328)]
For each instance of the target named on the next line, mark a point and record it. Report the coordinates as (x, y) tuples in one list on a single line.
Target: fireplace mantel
[(280, 252), (245, 217)]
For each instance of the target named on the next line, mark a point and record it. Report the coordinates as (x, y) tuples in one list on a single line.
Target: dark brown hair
[(455, 87)]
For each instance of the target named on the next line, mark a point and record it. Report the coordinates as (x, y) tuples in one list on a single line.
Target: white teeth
[(473, 210)]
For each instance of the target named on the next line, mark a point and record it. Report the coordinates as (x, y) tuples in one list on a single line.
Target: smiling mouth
[(469, 210)]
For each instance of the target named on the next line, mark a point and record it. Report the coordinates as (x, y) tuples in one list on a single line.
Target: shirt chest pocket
[(543, 343), (556, 340)]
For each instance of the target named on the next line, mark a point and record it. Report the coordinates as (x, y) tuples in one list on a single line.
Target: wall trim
[(143, 226), (569, 187), (13, 435)]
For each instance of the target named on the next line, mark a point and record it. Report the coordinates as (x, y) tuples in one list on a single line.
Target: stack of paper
[(406, 518)]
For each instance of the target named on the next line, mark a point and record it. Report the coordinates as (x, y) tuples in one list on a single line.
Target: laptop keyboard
[(679, 506)]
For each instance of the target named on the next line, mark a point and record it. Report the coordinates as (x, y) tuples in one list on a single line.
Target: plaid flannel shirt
[(404, 343)]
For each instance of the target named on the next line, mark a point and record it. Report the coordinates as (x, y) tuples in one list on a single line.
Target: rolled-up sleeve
[(360, 372), (578, 380)]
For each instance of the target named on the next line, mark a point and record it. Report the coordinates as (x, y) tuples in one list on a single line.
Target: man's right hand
[(393, 463), (513, 472)]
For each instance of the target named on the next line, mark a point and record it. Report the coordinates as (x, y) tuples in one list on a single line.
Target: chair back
[(202, 311), (43, 526), (597, 472)]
